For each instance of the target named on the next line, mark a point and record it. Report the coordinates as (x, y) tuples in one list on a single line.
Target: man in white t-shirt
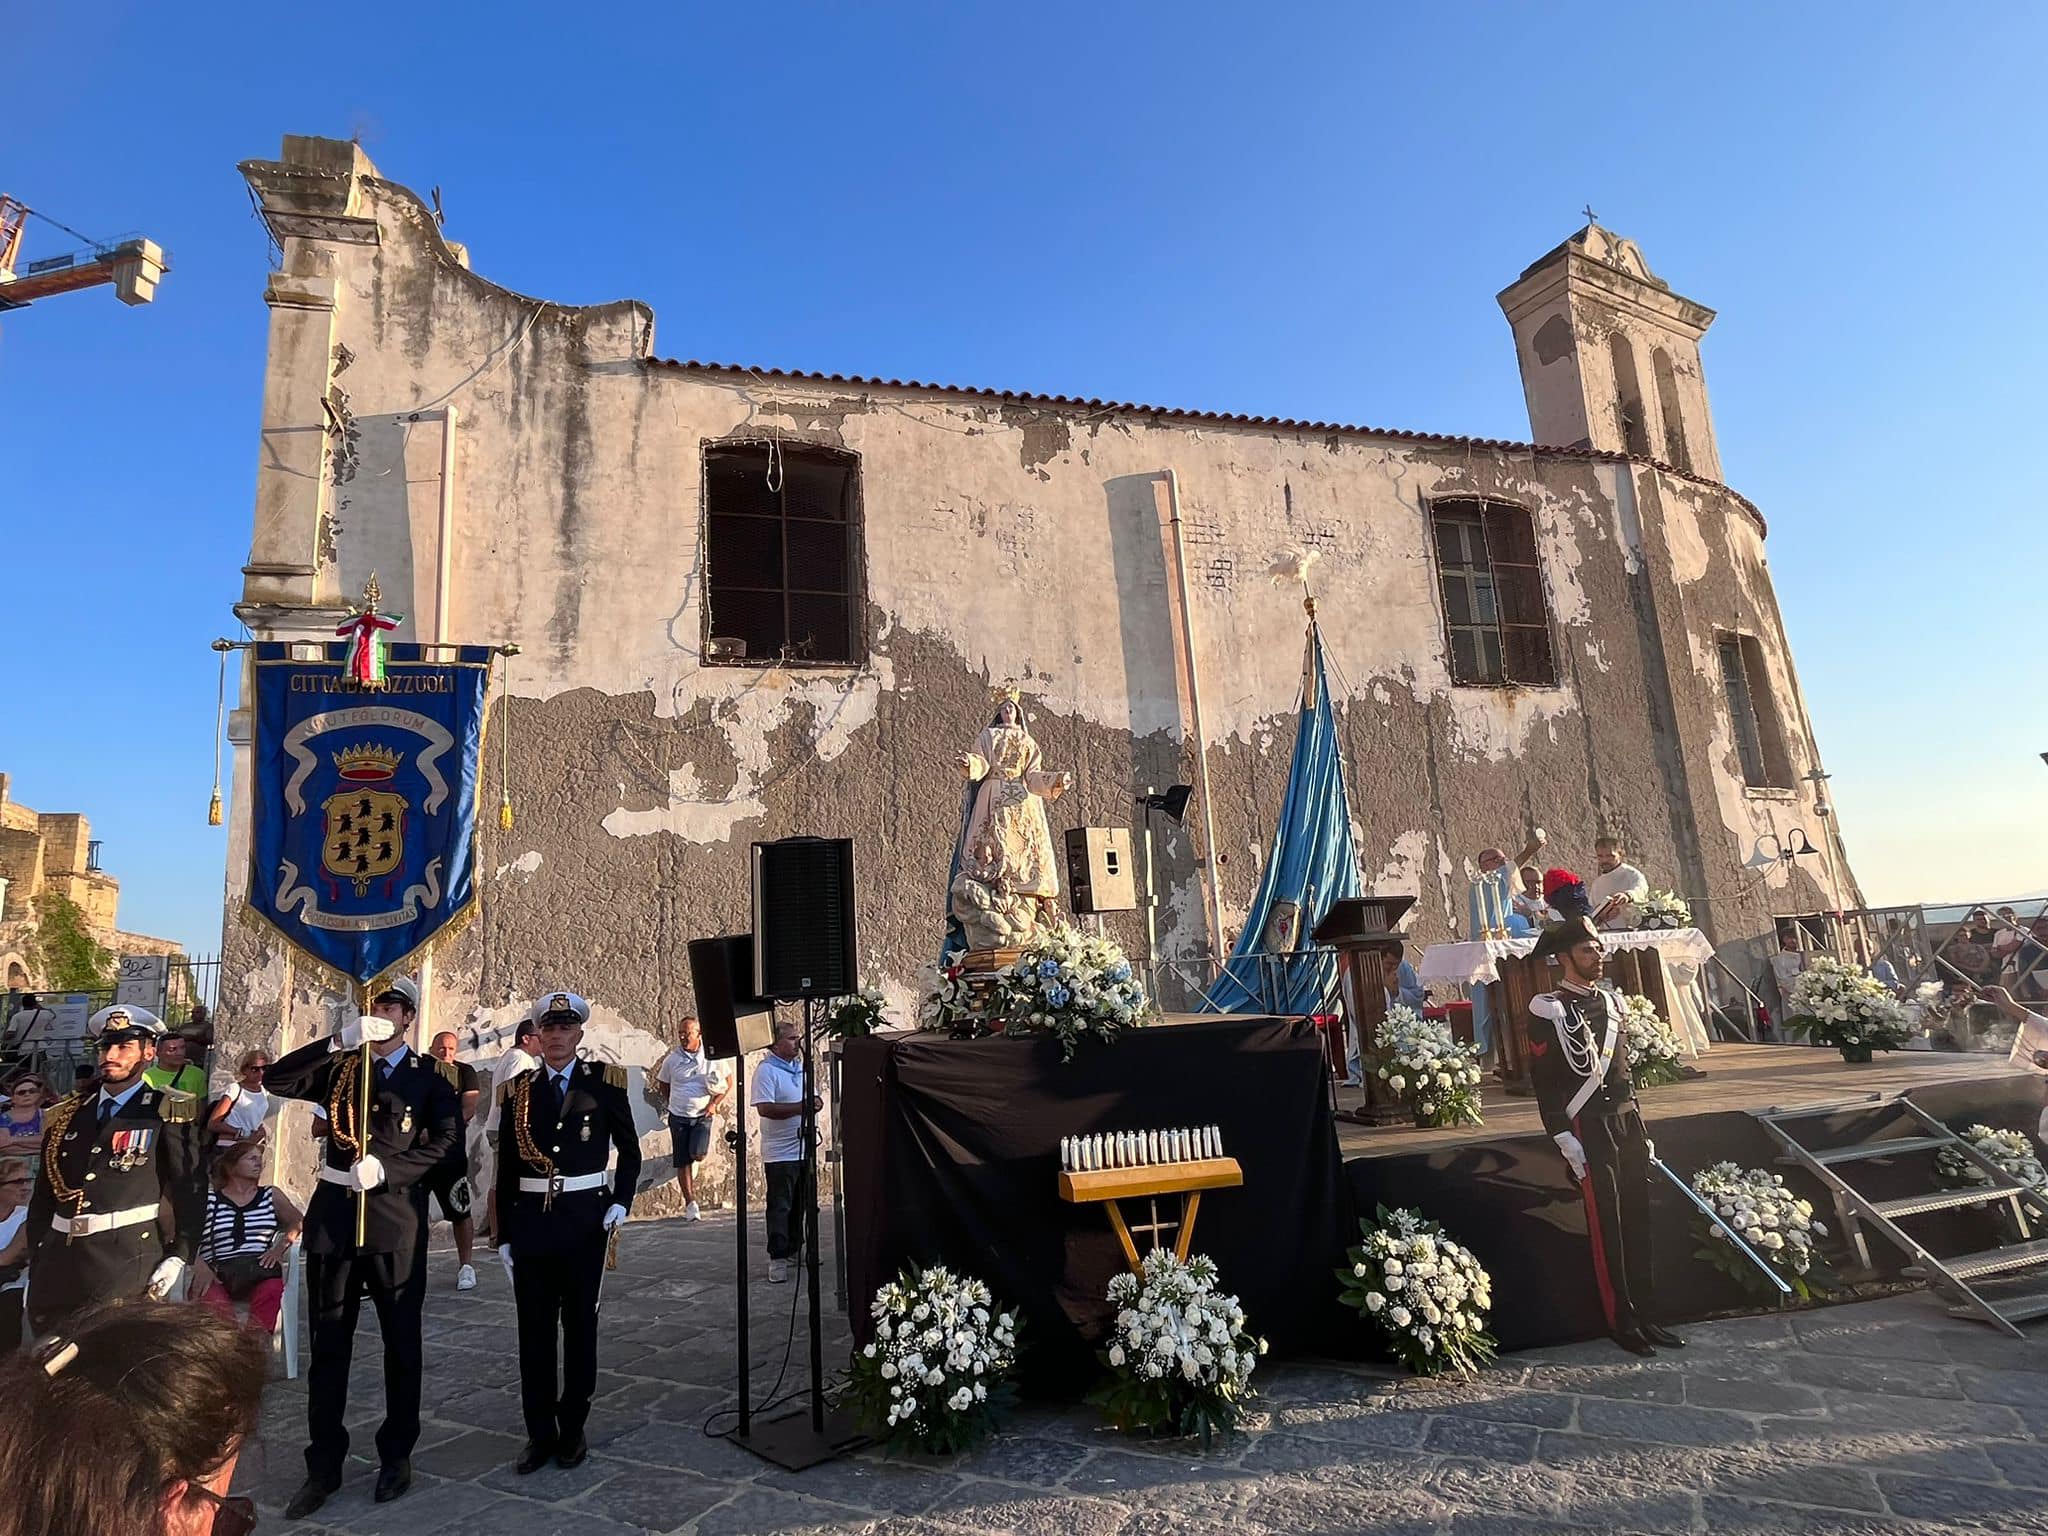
[(780, 1093), (697, 1089), (1617, 888)]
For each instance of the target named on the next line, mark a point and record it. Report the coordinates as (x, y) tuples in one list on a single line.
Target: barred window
[(1496, 617), (782, 557), (1753, 711)]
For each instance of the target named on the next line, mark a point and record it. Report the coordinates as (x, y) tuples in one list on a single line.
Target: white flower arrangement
[(2012, 1151), (1422, 1062), (935, 1377), (1778, 1226), (1663, 909), (947, 999), (1654, 1051), (1179, 1355), (1071, 984), (1836, 1003), (1428, 1294), (860, 1014)]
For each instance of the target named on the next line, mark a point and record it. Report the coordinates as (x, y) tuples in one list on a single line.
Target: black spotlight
[(1173, 804)]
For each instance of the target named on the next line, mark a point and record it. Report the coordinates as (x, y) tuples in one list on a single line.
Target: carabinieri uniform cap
[(1559, 937), (560, 1005), (124, 1021)]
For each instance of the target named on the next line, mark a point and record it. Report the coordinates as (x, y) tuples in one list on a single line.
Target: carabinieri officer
[(1578, 1065), (557, 1206), (415, 1128), (114, 1159)]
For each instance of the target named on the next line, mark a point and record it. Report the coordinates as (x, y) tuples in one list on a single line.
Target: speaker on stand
[(805, 951)]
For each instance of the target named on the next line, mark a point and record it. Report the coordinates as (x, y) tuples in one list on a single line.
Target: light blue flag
[(1275, 968)]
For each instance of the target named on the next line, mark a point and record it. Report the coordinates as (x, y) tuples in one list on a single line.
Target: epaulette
[(175, 1107), (448, 1070), (612, 1073)]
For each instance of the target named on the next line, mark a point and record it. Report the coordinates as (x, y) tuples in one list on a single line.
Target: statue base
[(978, 970)]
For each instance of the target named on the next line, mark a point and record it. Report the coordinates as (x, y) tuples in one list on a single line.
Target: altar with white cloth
[(1683, 951)]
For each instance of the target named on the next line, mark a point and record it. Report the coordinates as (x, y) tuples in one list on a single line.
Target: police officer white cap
[(560, 1004), (124, 1021), (404, 988)]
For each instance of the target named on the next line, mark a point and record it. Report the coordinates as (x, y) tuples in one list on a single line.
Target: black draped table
[(952, 1156)]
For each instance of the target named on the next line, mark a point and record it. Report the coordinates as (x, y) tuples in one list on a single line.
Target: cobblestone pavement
[(1880, 1417)]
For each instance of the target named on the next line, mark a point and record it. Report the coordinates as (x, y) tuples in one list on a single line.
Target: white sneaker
[(778, 1271), (690, 1212), (465, 1278)]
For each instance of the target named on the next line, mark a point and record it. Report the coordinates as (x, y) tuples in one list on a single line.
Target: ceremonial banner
[(364, 815), (1276, 967)]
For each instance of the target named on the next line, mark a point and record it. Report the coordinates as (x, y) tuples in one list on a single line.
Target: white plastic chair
[(287, 1332)]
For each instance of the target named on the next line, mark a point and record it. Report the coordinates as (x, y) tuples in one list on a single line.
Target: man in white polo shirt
[(697, 1090), (780, 1092)]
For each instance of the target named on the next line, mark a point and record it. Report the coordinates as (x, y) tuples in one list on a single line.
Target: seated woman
[(249, 1229), (21, 1125), (129, 1423)]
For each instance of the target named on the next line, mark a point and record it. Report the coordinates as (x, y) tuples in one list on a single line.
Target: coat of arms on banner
[(364, 816)]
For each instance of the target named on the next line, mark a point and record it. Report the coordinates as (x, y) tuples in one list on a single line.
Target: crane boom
[(134, 266)]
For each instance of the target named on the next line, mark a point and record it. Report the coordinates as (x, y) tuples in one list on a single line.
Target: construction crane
[(133, 265)]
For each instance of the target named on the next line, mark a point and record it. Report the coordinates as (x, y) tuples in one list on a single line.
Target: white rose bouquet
[(1422, 1061), (860, 1014), (1179, 1357), (936, 1376), (1072, 985), (1663, 909), (1653, 1048), (1843, 1005), (1425, 1292), (1774, 1221), (2012, 1152)]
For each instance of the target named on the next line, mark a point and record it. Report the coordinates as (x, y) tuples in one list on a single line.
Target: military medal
[(586, 1128), (405, 1123)]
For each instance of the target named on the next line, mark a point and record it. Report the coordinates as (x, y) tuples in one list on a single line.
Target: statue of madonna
[(1006, 875)]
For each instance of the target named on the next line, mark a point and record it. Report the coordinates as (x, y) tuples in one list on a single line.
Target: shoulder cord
[(1580, 1058), (342, 1129), (53, 1136), (522, 1096)]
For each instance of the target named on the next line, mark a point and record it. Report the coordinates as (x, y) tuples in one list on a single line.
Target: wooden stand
[(1522, 979), (1147, 1182), (1360, 929), (978, 968)]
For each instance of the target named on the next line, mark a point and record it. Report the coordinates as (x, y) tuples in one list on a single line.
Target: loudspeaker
[(734, 1019), (1099, 873), (803, 918)]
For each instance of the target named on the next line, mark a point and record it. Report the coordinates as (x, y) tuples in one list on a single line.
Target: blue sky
[(1299, 211)]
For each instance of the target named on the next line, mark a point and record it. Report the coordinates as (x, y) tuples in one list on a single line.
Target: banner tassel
[(220, 706), (505, 738)]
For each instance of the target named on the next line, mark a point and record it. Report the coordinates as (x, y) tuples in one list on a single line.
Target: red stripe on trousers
[(1600, 1274)]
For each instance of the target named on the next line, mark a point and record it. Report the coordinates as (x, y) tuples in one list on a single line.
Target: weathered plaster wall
[(1004, 539)]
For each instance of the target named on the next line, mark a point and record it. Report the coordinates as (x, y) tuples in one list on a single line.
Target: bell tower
[(1610, 356)]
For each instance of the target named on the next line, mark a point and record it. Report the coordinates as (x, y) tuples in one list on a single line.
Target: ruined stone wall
[(1004, 540)]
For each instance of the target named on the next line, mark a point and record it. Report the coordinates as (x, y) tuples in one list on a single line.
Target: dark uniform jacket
[(1566, 1031), (415, 1127), (596, 1120), (151, 1153)]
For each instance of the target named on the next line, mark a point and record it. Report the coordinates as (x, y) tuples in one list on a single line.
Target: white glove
[(505, 1258), (1649, 1149), (164, 1278), (615, 1216), (366, 1027), (1574, 1154), (367, 1174)]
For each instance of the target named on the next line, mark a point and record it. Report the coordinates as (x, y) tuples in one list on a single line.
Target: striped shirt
[(231, 1230)]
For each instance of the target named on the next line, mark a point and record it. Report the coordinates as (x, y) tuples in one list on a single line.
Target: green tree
[(67, 954)]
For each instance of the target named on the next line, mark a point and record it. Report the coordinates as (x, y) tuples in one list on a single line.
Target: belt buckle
[(554, 1188)]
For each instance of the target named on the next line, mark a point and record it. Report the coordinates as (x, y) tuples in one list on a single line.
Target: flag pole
[(363, 1130)]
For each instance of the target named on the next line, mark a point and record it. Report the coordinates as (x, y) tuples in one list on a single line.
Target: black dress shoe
[(393, 1478), (573, 1453), (1633, 1342), (1663, 1338), (534, 1457), (313, 1492)]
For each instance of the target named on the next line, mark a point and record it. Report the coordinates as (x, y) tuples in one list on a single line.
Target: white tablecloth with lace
[(1683, 950)]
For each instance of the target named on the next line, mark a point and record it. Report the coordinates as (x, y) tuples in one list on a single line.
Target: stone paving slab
[(1876, 1419)]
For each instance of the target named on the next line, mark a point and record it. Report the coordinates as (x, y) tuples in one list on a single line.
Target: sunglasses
[(235, 1516)]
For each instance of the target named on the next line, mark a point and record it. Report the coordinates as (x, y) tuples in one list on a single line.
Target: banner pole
[(363, 1131)]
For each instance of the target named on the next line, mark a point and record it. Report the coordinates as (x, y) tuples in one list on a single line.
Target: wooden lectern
[(1361, 930)]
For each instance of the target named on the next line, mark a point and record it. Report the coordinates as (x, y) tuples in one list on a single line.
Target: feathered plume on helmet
[(1566, 894)]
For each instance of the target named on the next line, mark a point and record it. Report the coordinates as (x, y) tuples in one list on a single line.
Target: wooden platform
[(1738, 1077)]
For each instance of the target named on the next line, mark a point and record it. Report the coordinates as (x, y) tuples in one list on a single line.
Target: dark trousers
[(10, 1322), (788, 1190), (1616, 1190), (335, 1286), (557, 1295)]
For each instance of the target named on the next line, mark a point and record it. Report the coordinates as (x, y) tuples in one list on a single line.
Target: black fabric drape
[(952, 1155)]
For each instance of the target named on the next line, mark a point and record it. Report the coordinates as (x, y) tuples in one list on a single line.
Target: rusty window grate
[(782, 561), (1753, 711), (1496, 616)]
